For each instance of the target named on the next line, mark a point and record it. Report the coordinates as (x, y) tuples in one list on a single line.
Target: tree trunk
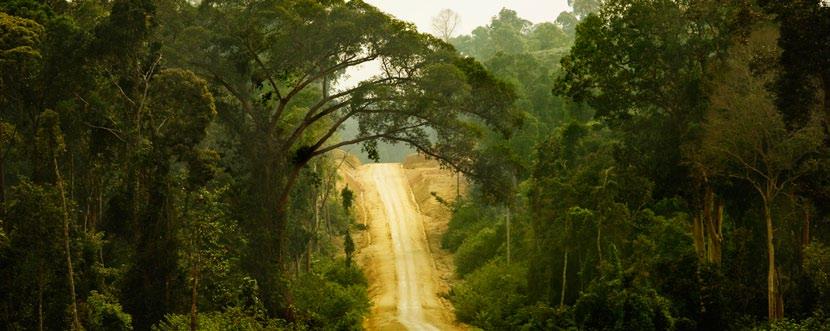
[(714, 215), (40, 299), (775, 303), (697, 235), (805, 229), (76, 321), (457, 185), (2, 177), (508, 235), (564, 279), (599, 239), (2, 184), (194, 297), (308, 256), (825, 78), (281, 215), (718, 226), (280, 228)]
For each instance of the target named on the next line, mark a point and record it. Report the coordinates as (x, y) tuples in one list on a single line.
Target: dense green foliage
[(675, 179), (165, 164), (637, 164)]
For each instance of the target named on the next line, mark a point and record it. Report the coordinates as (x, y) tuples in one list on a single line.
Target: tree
[(572, 197), (582, 8), (745, 138), (805, 76), (50, 141), (35, 263), (19, 54), (568, 22), (445, 24), (641, 65), (426, 96)]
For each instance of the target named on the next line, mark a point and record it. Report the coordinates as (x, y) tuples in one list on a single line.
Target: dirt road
[(403, 275)]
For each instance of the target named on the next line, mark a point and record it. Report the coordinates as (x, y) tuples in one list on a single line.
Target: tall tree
[(641, 64), (425, 96), (805, 41), (745, 138)]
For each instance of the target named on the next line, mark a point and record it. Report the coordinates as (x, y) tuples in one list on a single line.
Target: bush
[(232, 319), (336, 298), (818, 322), (338, 272), (491, 296), (468, 219), (328, 305), (816, 264), (476, 251), (105, 313), (543, 317), (616, 302)]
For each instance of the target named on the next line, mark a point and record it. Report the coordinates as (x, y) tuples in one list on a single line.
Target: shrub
[(490, 296), (615, 301), (338, 272), (105, 313), (231, 319), (467, 219), (329, 305), (476, 251)]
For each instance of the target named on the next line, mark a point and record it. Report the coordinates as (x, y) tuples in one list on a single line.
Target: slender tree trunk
[(508, 235), (457, 185), (599, 239), (194, 296), (805, 229), (2, 183), (2, 187), (40, 299), (564, 279), (714, 216), (718, 234), (308, 256), (2, 177), (775, 304), (825, 78), (76, 321)]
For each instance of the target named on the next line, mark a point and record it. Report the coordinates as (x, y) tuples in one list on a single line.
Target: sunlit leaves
[(19, 39)]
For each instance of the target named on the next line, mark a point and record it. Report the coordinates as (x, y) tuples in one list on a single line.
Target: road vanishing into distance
[(404, 290)]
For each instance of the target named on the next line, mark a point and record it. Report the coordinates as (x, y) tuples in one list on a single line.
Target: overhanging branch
[(366, 138)]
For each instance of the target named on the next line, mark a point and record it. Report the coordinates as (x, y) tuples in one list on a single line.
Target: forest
[(632, 165)]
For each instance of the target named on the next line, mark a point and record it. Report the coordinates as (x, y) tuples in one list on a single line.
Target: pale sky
[(473, 13)]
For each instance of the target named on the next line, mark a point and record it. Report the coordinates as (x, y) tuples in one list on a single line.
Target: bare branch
[(114, 132), (348, 62), (312, 116), (121, 90), (445, 24), (429, 153)]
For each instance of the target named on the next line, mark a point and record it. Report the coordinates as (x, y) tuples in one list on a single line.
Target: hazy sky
[(474, 13)]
